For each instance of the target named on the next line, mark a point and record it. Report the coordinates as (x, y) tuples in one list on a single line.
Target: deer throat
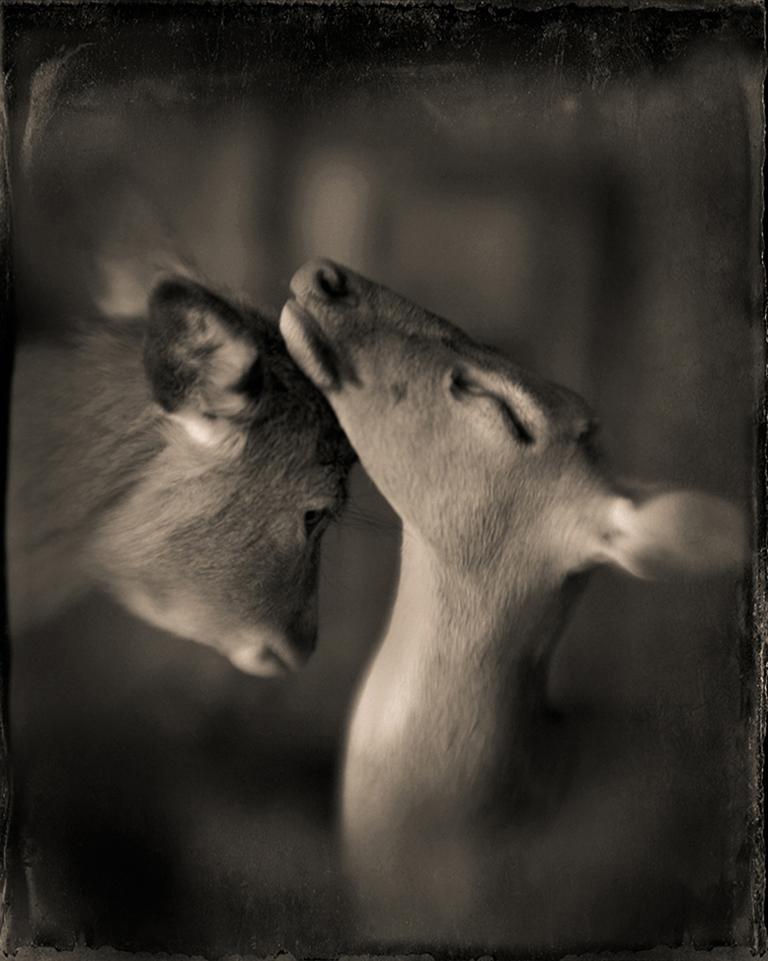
[(452, 725)]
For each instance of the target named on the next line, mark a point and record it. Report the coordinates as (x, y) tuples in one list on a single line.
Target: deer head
[(483, 460), (213, 531)]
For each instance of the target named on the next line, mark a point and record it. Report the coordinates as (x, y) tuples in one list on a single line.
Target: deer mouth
[(276, 656), (268, 661), (260, 662), (308, 347)]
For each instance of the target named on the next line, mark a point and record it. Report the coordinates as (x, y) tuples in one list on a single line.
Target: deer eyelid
[(515, 424), (462, 385)]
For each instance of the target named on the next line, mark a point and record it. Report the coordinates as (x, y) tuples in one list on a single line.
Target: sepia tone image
[(385, 464)]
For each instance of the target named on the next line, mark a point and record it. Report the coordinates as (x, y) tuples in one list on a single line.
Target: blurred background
[(577, 187)]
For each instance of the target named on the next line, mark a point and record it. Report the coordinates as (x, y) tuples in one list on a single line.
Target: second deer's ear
[(676, 532), (202, 360)]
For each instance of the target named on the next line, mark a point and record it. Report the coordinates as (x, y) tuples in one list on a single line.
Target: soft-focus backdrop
[(577, 188)]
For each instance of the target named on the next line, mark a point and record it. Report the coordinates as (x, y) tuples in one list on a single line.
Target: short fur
[(171, 460), (461, 819)]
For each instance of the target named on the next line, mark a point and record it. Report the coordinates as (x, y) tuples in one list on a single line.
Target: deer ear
[(202, 360), (676, 532)]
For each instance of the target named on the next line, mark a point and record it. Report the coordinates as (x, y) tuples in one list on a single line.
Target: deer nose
[(330, 281), (322, 282)]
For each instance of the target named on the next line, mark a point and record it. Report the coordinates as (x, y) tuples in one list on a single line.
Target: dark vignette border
[(333, 43)]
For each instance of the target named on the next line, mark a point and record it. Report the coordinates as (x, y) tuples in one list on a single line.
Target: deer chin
[(308, 347)]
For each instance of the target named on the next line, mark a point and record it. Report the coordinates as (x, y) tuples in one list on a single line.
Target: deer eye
[(313, 520), (463, 388)]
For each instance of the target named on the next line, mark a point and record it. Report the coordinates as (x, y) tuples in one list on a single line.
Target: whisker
[(356, 519)]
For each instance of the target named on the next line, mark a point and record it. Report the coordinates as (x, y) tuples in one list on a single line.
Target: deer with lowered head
[(168, 451), (465, 820), (179, 460)]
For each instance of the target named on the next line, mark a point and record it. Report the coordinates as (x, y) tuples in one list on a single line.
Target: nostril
[(331, 281)]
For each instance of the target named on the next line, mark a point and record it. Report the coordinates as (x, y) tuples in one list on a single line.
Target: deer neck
[(450, 713)]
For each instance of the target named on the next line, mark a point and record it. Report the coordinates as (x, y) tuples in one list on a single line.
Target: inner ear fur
[(202, 359)]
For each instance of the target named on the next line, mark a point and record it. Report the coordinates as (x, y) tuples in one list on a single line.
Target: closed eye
[(462, 388), (516, 426)]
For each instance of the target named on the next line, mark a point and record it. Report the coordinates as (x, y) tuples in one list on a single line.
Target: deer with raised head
[(182, 462), (464, 817)]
